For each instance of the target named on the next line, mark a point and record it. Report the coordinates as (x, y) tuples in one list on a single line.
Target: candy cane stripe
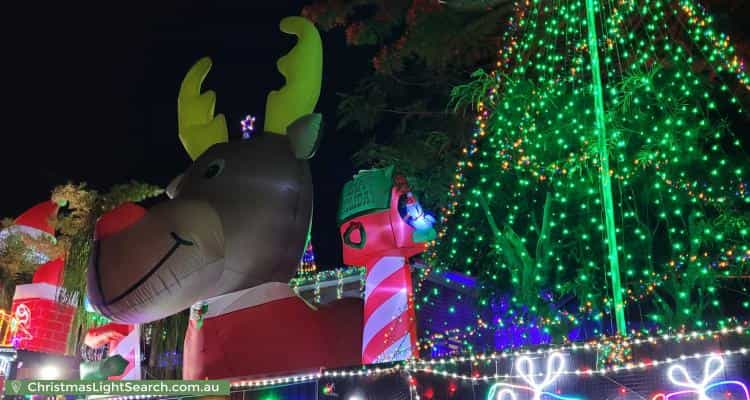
[(382, 269), (391, 309), (382, 341), (390, 327), (394, 283)]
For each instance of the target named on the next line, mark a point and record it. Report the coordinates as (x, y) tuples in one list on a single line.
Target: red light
[(328, 389)]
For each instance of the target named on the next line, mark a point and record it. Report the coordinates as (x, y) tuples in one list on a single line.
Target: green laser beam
[(606, 184)]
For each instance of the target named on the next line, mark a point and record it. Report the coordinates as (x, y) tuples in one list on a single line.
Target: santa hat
[(36, 220), (50, 272)]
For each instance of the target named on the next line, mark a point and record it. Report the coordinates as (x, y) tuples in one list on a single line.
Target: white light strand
[(590, 346), (277, 381), (416, 365), (323, 374), (413, 368), (554, 370), (585, 372)]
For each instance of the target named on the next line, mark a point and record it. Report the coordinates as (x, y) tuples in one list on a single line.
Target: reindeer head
[(238, 217)]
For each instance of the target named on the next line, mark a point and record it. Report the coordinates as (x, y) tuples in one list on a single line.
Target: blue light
[(87, 305), (415, 215), (460, 279)]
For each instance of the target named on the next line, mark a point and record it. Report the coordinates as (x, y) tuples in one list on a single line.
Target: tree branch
[(490, 217), (542, 244)]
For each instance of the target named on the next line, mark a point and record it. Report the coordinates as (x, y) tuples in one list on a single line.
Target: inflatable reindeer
[(238, 217), (231, 237)]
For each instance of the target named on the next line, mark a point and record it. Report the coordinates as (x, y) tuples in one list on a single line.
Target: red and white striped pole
[(389, 332), (375, 234)]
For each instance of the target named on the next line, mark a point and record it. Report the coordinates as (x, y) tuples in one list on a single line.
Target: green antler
[(303, 69), (198, 127)]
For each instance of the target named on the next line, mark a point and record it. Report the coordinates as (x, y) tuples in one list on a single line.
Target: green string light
[(602, 158)]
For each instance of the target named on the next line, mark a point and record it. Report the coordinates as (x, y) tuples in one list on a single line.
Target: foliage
[(16, 267), (165, 337), (467, 96), (423, 49), (432, 31)]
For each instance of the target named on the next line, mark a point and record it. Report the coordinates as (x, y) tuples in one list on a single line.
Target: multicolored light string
[(537, 387), (503, 386), (597, 345), (587, 371), (430, 365)]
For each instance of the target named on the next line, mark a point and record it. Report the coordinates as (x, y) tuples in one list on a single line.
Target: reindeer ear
[(174, 187), (304, 134)]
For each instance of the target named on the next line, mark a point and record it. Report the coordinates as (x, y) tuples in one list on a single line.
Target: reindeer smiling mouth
[(238, 217), (178, 241)]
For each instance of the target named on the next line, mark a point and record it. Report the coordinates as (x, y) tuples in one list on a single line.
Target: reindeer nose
[(118, 220)]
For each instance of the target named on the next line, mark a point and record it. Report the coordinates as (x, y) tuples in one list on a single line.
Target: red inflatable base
[(43, 323), (282, 336)]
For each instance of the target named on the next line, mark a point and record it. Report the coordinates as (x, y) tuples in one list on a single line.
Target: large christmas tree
[(605, 189)]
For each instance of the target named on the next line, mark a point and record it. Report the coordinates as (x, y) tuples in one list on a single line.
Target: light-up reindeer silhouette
[(525, 368), (713, 366), (20, 322)]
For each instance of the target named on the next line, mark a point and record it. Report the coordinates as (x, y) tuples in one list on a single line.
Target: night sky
[(91, 91)]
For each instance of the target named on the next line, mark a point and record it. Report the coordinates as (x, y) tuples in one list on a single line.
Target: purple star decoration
[(248, 126)]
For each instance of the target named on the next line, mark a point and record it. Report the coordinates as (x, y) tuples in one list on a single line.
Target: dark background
[(89, 91), (90, 94)]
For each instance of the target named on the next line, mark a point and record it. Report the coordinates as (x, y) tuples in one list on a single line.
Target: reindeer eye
[(214, 169)]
